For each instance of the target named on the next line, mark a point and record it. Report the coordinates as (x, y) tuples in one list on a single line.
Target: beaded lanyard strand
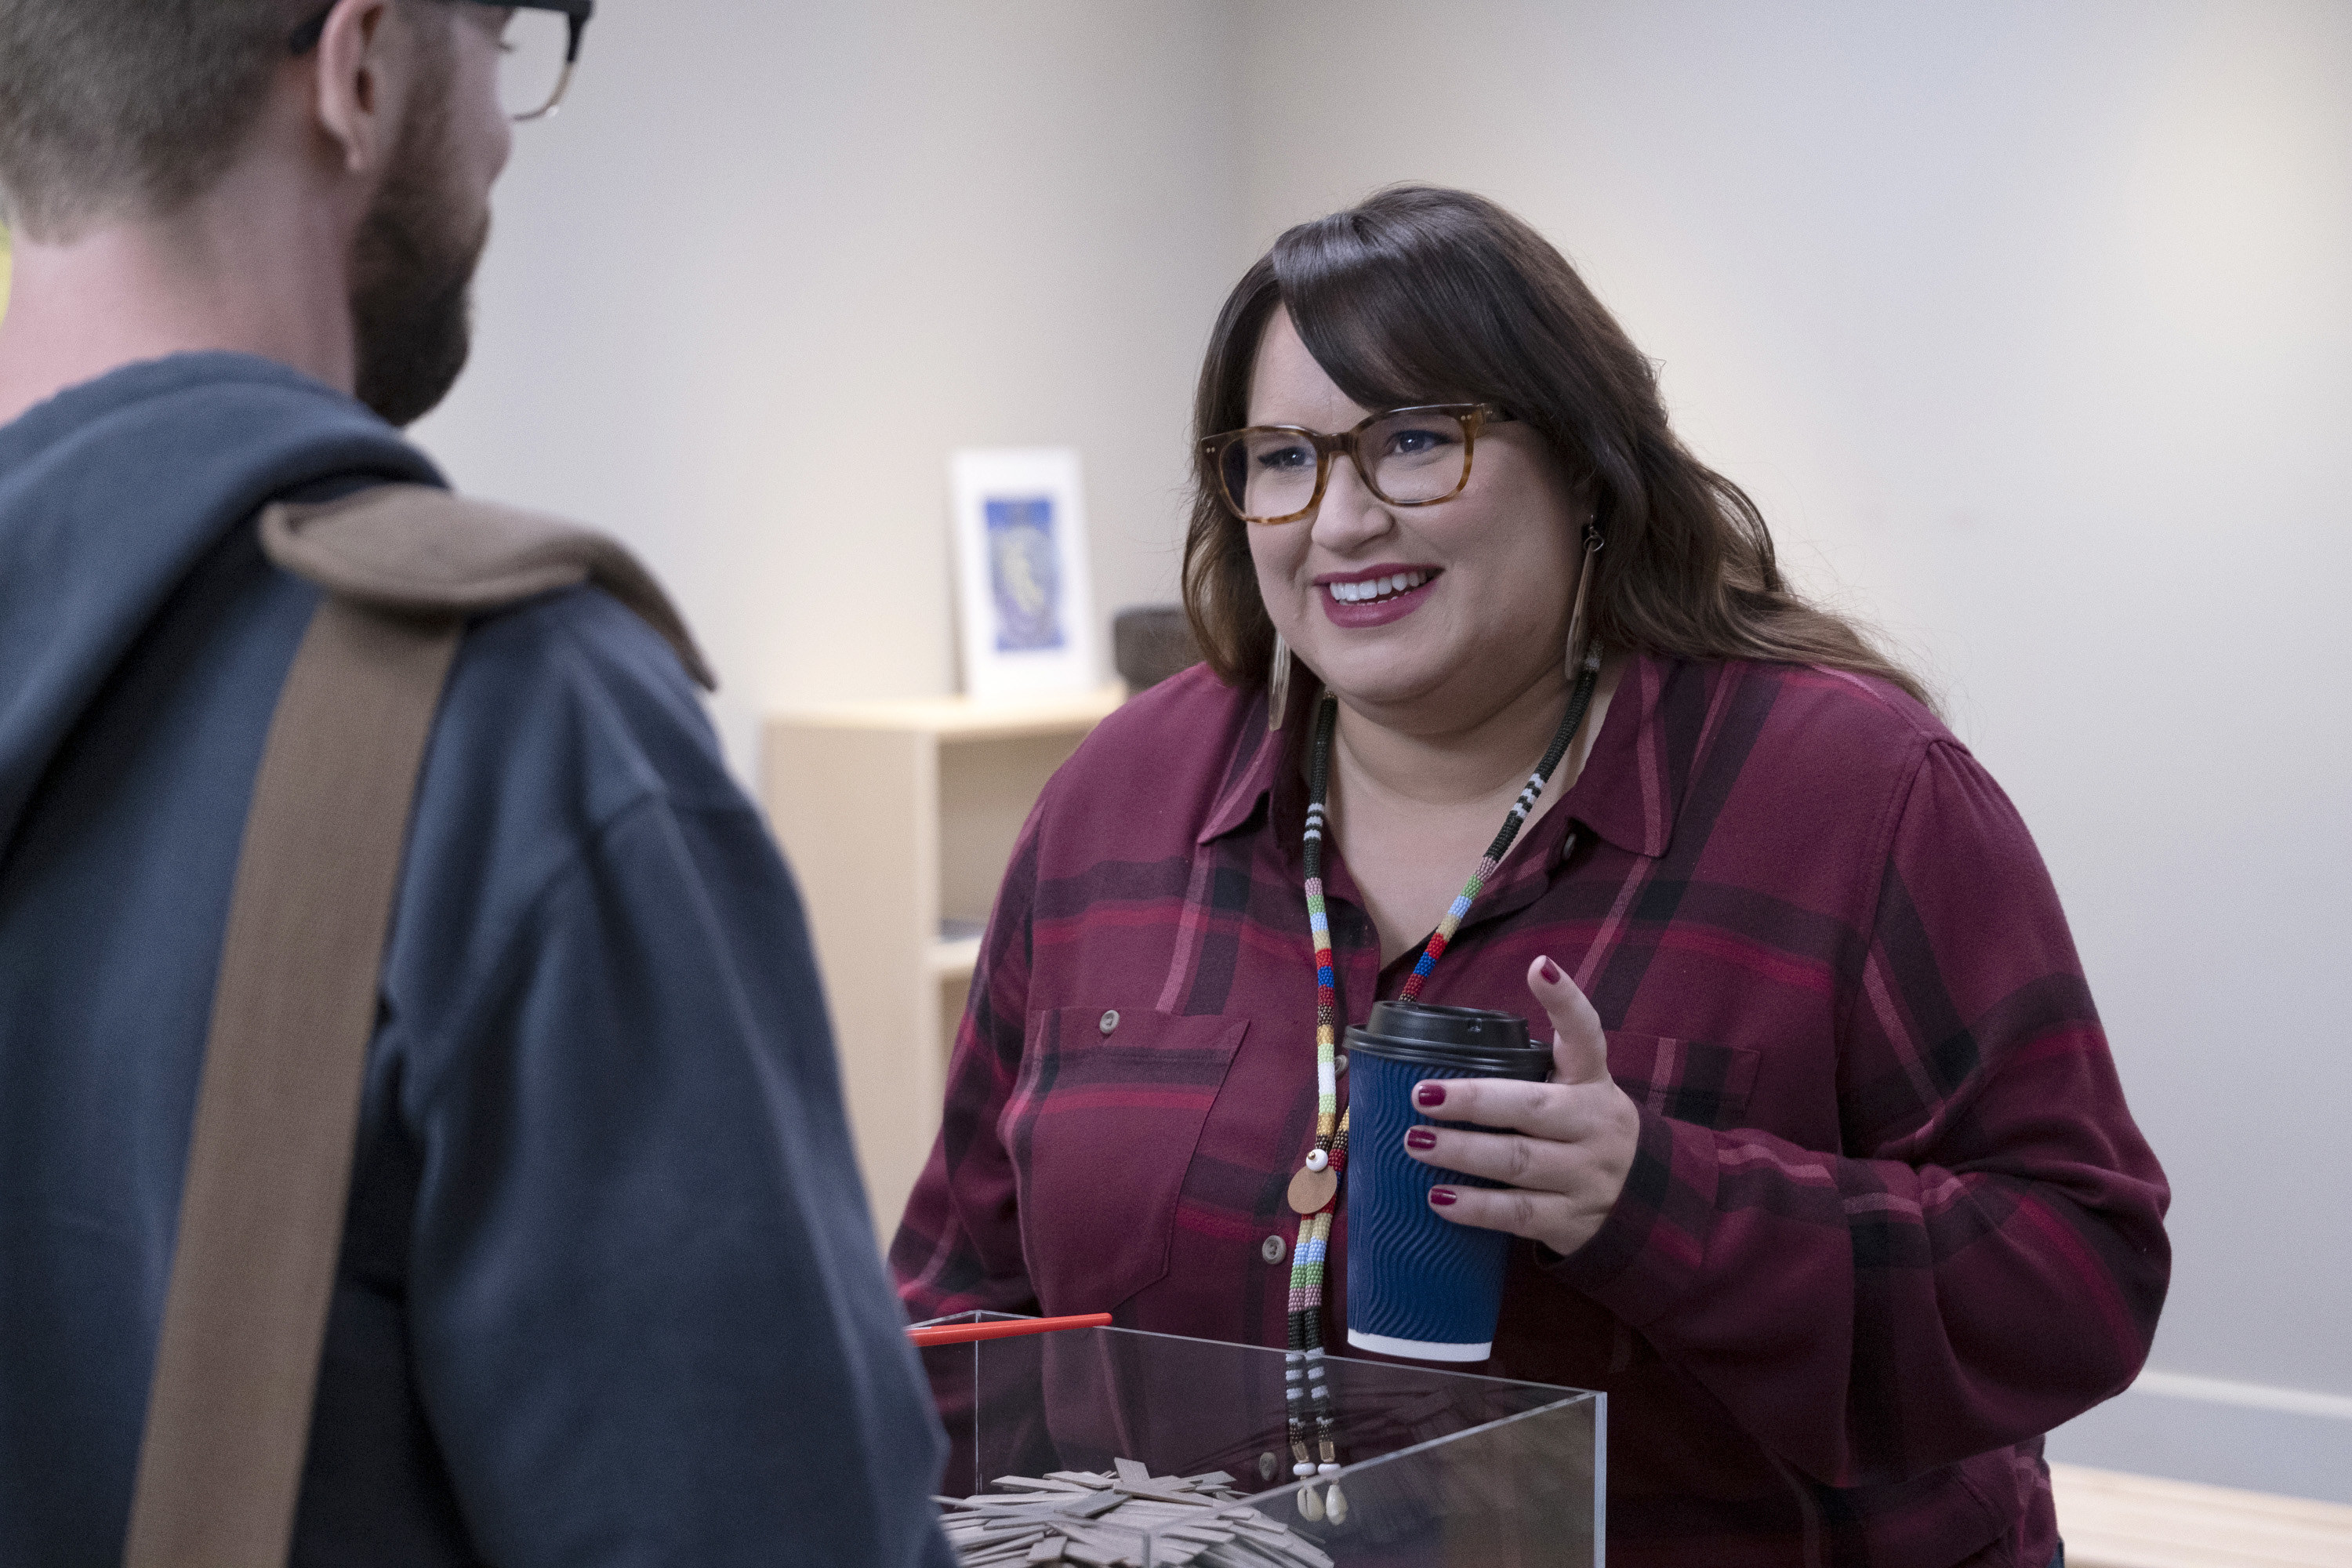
[(1314, 1190)]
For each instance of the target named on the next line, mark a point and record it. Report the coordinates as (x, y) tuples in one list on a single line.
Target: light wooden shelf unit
[(899, 817)]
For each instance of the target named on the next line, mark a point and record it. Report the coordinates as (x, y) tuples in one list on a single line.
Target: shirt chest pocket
[(1689, 1080), (1101, 1125)]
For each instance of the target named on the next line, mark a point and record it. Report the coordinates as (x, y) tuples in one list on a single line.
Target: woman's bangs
[(1377, 324)]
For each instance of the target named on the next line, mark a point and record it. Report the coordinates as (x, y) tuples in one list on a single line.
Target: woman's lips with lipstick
[(1376, 595)]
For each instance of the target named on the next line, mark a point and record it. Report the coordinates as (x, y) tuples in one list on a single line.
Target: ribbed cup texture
[(1411, 1275)]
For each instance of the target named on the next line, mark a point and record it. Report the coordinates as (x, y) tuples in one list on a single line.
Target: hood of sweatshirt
[(112, 490)]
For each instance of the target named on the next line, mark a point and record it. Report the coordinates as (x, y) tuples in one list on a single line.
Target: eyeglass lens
[(1408, 457), (531, 71)]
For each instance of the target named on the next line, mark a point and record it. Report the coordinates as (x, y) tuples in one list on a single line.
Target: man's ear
[(363, 65)]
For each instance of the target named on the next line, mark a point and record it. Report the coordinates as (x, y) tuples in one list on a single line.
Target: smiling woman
[(1420, 294), (1833, 1188)]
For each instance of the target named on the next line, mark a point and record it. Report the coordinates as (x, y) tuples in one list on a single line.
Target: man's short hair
[(118, 108)]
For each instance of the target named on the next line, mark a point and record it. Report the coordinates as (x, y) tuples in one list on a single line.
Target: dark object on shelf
[(1152, 643)]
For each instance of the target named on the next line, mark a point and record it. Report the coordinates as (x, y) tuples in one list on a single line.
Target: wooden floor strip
[(2115, 1521)]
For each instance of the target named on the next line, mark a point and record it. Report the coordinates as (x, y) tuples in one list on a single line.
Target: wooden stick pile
[(1103, 1519)]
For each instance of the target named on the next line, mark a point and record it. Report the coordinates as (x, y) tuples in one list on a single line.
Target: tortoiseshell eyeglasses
[(1406, 456)]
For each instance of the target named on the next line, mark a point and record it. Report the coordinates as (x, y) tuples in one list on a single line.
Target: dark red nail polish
[(1421, 1138), (1442, 1198), (1429, 1094), (1550, 973)]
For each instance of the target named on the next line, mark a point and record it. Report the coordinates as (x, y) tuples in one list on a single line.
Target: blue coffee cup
[(1418, 1285)]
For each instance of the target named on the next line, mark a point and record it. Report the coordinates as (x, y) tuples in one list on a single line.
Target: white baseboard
[(2292, 1441)]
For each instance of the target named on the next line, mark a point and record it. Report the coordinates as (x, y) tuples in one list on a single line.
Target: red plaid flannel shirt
[(1889, 1221)]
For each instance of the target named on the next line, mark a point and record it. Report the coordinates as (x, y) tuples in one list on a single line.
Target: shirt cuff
[(1648, 1254)]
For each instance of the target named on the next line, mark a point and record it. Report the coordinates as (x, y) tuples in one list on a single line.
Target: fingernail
[(1421, 1138), (1441, 1197), (1550, 973), (1429, 1094)]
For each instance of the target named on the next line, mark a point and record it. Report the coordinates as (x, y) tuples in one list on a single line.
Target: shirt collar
[(1624, 793), (1249, 776)]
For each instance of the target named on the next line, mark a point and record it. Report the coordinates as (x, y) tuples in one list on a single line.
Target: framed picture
[(1023, 599)]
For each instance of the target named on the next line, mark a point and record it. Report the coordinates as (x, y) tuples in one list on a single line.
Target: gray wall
[(771, 263), (2027, 323)]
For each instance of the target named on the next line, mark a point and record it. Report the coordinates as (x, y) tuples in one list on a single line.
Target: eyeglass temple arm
[(576, 14)]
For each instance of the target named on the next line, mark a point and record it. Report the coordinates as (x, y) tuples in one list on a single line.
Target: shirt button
[(1271, 1249), (1111, 1021), (1340, 1062)]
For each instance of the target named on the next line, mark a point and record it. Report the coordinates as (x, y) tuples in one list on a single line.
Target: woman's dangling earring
[(1580, 656), (1278, 685)]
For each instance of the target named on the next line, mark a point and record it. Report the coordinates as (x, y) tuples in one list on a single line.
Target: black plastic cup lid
[(1471, 1039)]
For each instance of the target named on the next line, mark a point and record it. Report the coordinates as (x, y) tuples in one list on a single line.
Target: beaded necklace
[(1314, 1190)]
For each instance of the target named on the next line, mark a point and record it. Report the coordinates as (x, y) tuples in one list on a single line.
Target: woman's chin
[(1386, 684)]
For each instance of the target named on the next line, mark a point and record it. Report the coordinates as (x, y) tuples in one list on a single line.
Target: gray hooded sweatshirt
[(609, 1292)]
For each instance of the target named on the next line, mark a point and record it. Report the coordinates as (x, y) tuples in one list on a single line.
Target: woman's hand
[(1571, 1140)]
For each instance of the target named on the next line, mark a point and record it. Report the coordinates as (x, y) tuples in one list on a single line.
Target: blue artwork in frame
[(1024, 572), (1024, 605)]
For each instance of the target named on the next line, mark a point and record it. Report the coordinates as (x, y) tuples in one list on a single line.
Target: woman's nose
[(1350, 516)]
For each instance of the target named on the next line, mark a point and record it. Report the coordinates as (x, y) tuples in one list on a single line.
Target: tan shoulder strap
[(410, 548), (261, 1215)]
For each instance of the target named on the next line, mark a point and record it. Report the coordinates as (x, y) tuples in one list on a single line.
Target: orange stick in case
[(964, 1333)]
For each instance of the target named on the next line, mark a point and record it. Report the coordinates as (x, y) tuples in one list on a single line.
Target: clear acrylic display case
[(1438, 1468)]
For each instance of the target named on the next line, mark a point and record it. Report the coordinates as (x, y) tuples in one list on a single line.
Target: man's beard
[(413, 271)]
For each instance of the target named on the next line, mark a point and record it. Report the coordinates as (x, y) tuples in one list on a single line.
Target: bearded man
[(608, 1290)]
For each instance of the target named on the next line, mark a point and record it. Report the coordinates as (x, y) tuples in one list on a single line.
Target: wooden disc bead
[(1311, 1191)]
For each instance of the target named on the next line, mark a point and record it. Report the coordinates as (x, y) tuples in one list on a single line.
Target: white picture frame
[(1024, 595)]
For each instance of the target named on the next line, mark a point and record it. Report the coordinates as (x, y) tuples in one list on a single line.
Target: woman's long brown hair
[(1426, 295)]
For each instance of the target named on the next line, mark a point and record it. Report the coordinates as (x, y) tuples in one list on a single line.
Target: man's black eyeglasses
[(537, 71)]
